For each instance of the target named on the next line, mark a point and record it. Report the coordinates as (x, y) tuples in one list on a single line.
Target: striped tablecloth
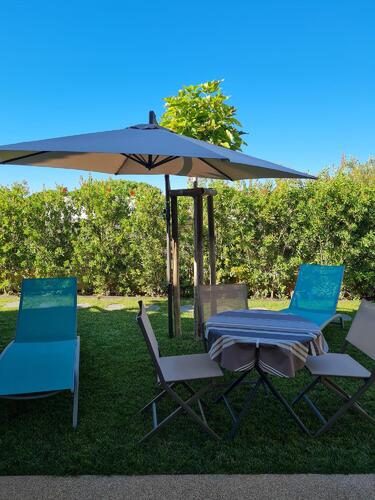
[(279, 342)]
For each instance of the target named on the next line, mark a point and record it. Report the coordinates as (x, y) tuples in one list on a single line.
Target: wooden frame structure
[(173, 271), (173, 274)]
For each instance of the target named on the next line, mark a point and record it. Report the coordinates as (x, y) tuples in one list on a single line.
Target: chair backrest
[(214, 299), (48, 310), (149, 336), (362, 329), (317, 288)]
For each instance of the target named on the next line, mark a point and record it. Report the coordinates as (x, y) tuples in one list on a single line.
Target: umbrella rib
[(217, 169), (166, 160), (121, 167), (134, 158), (23, 157), (140, 158)]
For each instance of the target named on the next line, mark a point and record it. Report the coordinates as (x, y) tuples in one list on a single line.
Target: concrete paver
[(202, 487)]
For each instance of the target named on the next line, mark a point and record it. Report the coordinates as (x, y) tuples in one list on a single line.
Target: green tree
[(201, 111)]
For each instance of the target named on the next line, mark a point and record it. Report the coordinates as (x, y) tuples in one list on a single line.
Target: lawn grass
[(116, 379)]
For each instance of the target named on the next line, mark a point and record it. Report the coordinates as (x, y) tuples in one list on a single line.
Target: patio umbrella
[(143, 150)]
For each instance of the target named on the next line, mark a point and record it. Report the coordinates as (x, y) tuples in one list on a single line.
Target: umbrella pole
[(211, 238), (198, 261), (152, 119), (175, 266), (169, 263)]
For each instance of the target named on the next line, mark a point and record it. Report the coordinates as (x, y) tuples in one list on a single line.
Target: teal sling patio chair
[(316, 294), (362, 336), (43, 359)]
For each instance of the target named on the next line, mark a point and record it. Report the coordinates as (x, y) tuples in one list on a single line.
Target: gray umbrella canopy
[(143, 149)]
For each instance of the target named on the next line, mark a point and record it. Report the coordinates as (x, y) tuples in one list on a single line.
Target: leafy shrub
[(111, 234)]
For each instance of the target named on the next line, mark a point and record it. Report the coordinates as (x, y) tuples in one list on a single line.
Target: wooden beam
[(193, 192), (211, 239), (175, 268), (169, 265), (198, 261)]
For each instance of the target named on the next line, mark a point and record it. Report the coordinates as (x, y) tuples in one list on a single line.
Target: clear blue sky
[(300, 72)]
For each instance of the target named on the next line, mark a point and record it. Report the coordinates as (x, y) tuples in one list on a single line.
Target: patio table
[(267, 341)]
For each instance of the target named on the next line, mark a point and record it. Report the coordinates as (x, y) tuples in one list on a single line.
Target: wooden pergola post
[(169, 263), (175, 268), (211, 238), (198, 260), (175, 303)]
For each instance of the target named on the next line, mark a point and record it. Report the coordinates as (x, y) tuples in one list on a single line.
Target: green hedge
[(111, 234)]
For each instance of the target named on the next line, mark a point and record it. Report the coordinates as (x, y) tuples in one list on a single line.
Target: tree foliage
[(201, 111)]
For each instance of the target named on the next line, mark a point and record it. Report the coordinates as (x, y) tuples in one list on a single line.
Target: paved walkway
[(204, 487)]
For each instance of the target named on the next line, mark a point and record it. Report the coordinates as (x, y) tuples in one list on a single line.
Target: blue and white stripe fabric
[(280, 343)]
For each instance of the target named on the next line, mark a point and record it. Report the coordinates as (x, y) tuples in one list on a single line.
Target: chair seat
[(32, 367), (189, 367), (336, 365)]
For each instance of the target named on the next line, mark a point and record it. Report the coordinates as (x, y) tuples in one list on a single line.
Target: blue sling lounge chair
[(43, 359), (316, 294)]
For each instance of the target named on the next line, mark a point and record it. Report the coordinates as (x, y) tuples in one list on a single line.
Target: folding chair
[(316, 294), (362, 336), (43, 359), (174, 371), (214, 299)]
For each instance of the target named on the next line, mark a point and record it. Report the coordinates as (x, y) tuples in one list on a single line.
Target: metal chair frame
[(169, 389), (351, 401), (262, 381)]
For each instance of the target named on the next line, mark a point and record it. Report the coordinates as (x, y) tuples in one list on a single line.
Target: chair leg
[(186, 406), (76, 387), (183, 406), (231, 387), (75, 405), (160, 396), (314, 409), (346, 397), (283, 401), (162, 424), (350, 402), (201, 411), (345, 407), (191, 390), (305, 391), (245, 409), (265, 387)]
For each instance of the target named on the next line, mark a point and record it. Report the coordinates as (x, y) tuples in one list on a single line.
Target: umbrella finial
[(152, 118)]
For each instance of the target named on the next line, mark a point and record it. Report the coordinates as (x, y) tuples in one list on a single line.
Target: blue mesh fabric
[(317, 288), (48, 310)]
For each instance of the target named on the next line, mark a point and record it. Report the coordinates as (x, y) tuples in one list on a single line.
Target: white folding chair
[(362, 336), (173, 371)]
